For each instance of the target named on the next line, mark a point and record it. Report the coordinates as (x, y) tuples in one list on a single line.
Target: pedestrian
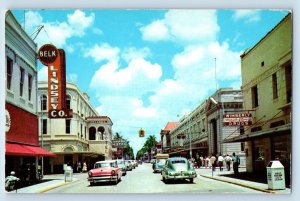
[(228, 162), (213, 162), (84, 167), (220, 162), (78, 166), (202, 161), (236, 163), (206, 161)]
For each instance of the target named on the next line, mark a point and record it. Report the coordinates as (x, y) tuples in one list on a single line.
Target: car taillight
[(113, 172)]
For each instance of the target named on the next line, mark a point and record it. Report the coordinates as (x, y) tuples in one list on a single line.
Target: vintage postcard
[(148, 101)]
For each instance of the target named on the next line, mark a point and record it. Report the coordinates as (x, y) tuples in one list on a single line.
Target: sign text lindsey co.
[(55, 60)]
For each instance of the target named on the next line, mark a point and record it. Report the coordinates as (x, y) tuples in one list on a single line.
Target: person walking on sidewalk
[(213, 162), (220, 162), (228, 162), (236, 163)]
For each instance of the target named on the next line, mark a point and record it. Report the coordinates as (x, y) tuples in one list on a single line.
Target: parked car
[(105, 171), (178, 168), (158, 165), (134, 163), (121, 164), (128, 164)]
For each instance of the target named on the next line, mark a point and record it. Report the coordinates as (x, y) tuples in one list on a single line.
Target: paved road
[(143, 180)]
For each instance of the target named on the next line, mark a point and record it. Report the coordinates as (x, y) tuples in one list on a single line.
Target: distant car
[(121, 164), (105, 171), (134, 163), (128, 164), (178, 168), (158, 165)]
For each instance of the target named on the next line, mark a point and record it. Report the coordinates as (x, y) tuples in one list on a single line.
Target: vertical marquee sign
[(55, 59)]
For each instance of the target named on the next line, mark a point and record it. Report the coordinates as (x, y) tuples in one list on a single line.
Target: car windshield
[(178, 162), (104, 165), (161, 161)]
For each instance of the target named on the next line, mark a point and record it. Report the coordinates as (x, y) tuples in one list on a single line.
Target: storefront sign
[(237, 119), (56, 62), (118, 143)]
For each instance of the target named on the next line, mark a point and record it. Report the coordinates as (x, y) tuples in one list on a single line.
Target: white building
[(84, 138)]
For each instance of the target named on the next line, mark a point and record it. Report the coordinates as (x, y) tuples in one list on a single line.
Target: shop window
[(22, 73), (68, 126), (288, 80), (29, 86), (259, 151), (9, 70), (68, 105), (44, 129), (254, 93), (43, 102), (274, 86)]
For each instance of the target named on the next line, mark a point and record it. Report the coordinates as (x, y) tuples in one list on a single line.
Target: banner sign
[(56, 62), (118, 143), (238, 119)]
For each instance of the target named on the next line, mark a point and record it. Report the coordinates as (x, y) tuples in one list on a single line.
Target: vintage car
[(178, 168), (158, 165), (105, 171), (121, 164), (129, 165)]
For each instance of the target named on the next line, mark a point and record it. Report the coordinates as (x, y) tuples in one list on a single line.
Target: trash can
[(68, 174), (275, 174)]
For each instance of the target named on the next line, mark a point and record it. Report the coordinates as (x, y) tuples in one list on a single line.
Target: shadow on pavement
[(260, 178)]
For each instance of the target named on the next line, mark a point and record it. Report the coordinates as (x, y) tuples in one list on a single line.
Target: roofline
[(248, 50)]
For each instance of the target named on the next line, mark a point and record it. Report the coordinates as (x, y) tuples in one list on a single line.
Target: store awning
[(25, 150), (247, 137)]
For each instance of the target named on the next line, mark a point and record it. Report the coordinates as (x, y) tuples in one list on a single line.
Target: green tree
[(150, 145)]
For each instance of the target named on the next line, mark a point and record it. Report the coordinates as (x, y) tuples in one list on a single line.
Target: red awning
[(25, 150)]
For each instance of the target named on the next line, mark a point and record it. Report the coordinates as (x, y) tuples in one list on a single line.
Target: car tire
[(192, 180), (92, 183)]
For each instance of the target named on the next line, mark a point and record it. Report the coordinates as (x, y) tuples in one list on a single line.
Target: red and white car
[(105, 171)]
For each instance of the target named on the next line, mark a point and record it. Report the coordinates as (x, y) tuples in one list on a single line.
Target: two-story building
[(86, 137), (22, 150), (267, 91)]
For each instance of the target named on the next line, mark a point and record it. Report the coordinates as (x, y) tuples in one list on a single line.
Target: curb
[(239, 184), (56, 186)]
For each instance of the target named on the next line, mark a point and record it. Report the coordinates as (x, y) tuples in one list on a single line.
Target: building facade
[(22, 153), (165, 136), (189, 137), (224, 101), (86, 137), (267, 90)]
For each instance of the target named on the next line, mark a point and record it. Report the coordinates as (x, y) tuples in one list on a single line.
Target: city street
[(143, 180)]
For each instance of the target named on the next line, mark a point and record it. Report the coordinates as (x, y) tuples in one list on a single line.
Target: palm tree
[(150, 144)]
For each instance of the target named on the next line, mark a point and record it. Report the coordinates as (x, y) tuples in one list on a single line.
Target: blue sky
[(144, 68)]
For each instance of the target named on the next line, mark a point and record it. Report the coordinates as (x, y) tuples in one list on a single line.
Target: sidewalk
[(50, 182), (226, 176)]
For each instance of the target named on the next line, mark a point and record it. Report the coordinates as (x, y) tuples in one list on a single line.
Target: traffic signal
[(141, 133)]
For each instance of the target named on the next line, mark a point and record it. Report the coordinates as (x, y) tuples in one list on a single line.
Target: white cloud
[(57, 32), (136, 78), (183, 26), (97, 31), (155, 31), (247, 15), (72, 77), (79, 22), (103, 52), (133, 53)]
